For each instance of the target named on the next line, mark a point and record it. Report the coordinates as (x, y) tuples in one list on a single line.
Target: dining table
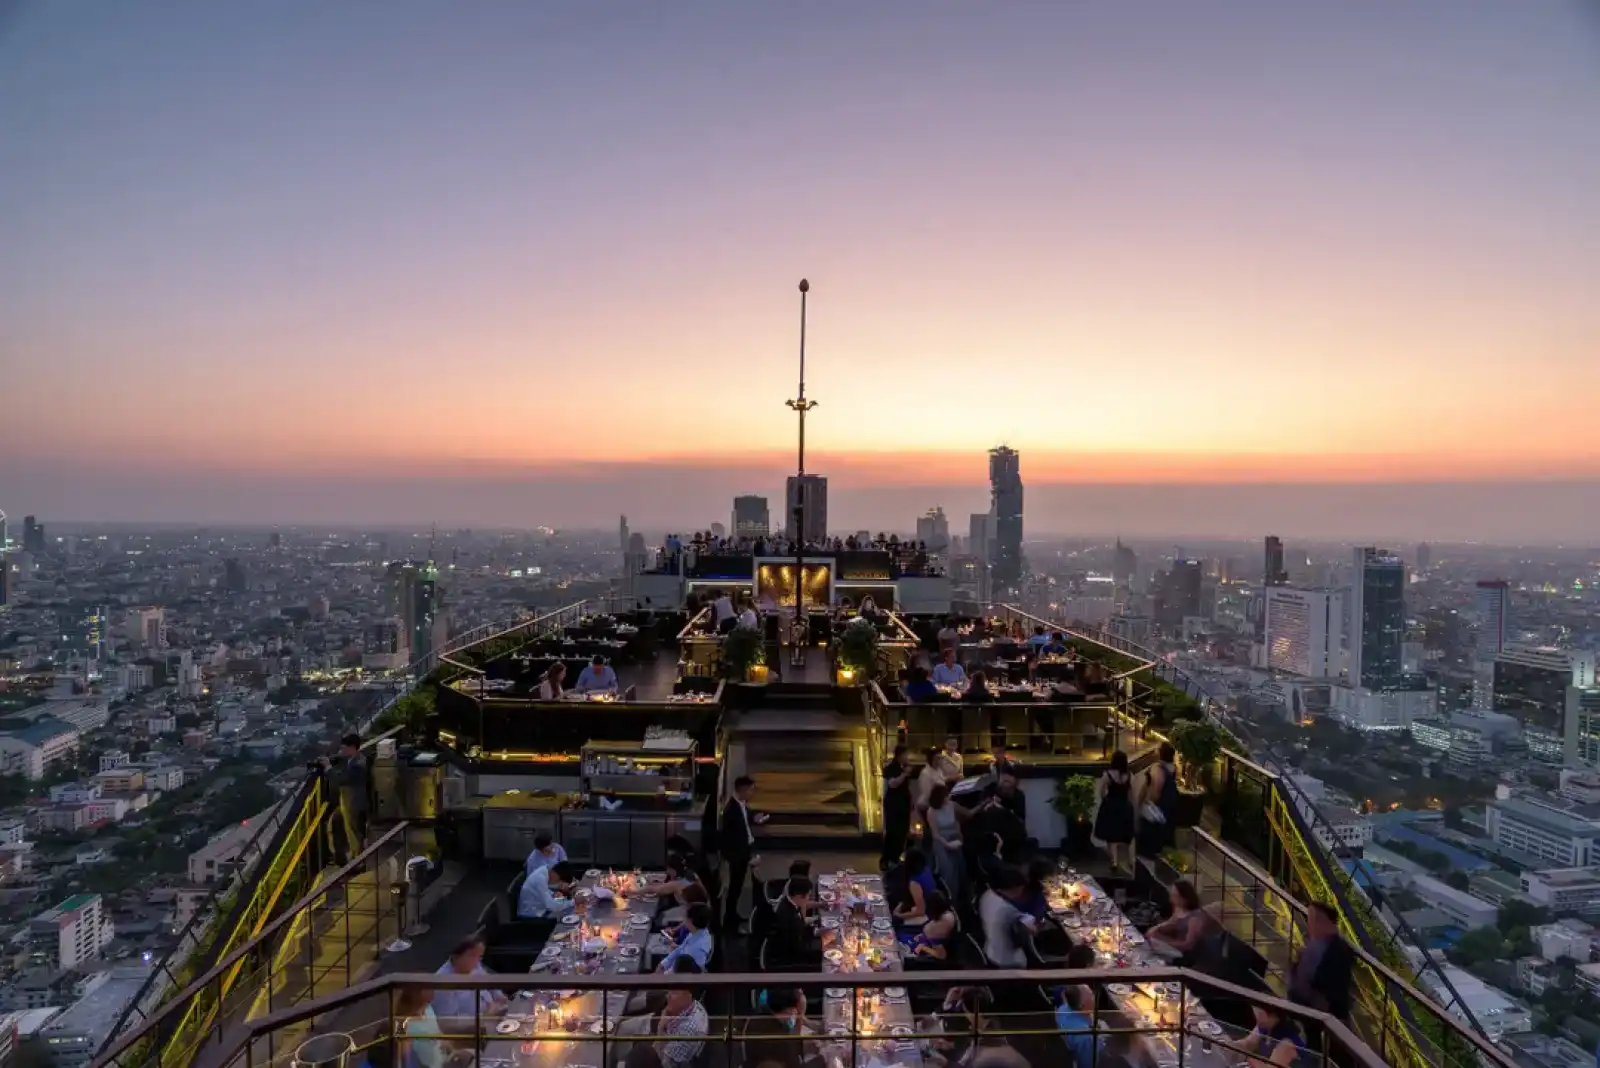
[(564, 1028), (857, 929), (1168, 1011)]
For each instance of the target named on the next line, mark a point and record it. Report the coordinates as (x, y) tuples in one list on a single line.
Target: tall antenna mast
[(801, 407)]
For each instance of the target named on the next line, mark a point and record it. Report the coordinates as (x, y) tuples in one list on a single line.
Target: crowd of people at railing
[(907, 557)]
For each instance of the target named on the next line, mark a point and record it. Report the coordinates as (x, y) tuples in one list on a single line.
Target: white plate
[(882, 925), (831, 923), (827, 880), (1121, 990), (592, 873), (597, 1026), (837, 992), (874, 899), (639, 921), (834, 956), (569, 920), (895, 992), (628, 951), (549, 951), (508, 1027), (901, 1031), (1208, 1027), (838, 1031)]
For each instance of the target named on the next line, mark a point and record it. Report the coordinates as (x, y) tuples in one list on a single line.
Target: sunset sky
[(260, 243)]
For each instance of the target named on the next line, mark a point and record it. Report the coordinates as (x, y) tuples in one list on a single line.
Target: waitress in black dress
[(1113, 823)]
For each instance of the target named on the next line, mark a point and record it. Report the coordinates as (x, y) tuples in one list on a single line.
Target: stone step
[(782, 807)]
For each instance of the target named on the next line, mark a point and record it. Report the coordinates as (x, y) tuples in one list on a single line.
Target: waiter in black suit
[(737, 838)]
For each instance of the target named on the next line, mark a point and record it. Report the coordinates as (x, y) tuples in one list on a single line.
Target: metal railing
[(301, 954), (1166, 1017), (1293, 817), (1254, 907)]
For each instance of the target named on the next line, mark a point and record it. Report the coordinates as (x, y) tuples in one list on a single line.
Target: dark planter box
[(1079, 840), (1190, 805)]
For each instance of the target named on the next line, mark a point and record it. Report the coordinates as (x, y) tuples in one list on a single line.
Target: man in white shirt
[(597, 677), (541, 897), (1002, 917), (952, 753), (949, 673), (722, 614), (748, 618), (949, 636)]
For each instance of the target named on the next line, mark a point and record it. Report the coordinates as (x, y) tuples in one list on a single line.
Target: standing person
[(944, 841), (737, 837), (1321, 976), (896, 807), (349, 776), (1158, 802), (1113, 823)]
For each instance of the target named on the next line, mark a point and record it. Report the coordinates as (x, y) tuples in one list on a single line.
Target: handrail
[(1472, 1035), (1361, 1055), (177, 1002), (906, 633), (688, 628), (206, 910), (1302, 805)]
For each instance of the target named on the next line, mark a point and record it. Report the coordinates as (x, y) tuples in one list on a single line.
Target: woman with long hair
[(551, 688), (944, 841), (1114, 822)]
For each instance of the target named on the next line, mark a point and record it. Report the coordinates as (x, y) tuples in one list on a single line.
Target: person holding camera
[(349, 777)]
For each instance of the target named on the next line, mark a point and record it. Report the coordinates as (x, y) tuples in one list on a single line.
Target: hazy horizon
[(685, 498)]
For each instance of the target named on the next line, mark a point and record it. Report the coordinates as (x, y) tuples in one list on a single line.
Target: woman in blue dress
[(931, 942), (1275, 1040)]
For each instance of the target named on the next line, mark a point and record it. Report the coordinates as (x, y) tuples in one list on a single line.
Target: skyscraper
[(622, 534), (980, 535), (1424, 556), (1274, 573), (32, 535), (933, 529), (1005, 489), (414, 592), (811, 492), (1377, 618), (1493, 605), (1180, 594), (5, 566), (750, 517)]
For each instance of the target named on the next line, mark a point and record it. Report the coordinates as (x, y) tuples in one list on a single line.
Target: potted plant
[(742, 649), (858, 653), (1075, 800), (1198, 743)]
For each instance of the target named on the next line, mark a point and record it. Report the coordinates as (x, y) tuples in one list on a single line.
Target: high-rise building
[(71, 934), (234, 577), (1581, 723), (1303, 630), (1005, 489), (1532, 684), (32, 535), (980, 535), (1493, 608), (1274, 573), (146, 627), (1180, 595), (1124, 563), (5, 565), (807, 494), (1377, 619), (750, 517), (933, 530), (414, 593), (622, 534), (1424, 556)]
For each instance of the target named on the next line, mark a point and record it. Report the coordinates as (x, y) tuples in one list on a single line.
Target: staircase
[(802, 754)]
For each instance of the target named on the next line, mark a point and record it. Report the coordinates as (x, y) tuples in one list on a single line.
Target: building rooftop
[(1559, 878), (1572, 820), (41, 731), (96, 1013)]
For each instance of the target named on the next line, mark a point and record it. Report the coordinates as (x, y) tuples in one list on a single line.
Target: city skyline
[(1248, 265)]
